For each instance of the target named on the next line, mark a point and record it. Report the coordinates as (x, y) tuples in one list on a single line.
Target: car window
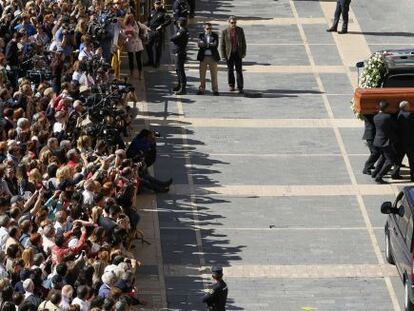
[(404, 219), (399, 218), (399, 81), (409, 234)]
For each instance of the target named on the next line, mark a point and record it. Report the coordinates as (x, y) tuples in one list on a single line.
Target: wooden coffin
[(366, 100)]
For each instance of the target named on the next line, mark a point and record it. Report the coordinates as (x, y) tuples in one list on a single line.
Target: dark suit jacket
[(369, 127), (212, 46), (406, 128), (385, 130), (226, 43)]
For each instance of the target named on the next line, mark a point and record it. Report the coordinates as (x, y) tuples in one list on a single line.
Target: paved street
[(271, 187)]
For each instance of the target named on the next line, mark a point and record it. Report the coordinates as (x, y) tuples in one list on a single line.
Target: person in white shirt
[(82, 298), (4, 232), (87, 52), (67, 294)]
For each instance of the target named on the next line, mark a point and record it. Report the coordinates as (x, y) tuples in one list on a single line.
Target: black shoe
[(241, 91), (396, 176), (168, 182), (177, 88), (163, 190), (148, 64), (181, 92), (343, 31), (231, 88), (332, 29), (366, 171), (380, 181), (216, 94), (200, 92)]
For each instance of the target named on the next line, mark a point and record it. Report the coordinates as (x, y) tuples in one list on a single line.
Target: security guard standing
[(217, 294), (158, 20), (180, 41), (342, 8)]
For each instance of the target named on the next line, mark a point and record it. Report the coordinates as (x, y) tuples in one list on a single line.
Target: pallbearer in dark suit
[(208, 56), (342, 7), (406, 131), (386, 137), (369, 135)]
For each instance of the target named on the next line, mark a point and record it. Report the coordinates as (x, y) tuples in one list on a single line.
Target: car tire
[(388, 249), (408, 305)]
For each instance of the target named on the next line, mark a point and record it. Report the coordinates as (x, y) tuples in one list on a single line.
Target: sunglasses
[(209, 28), (232, 23)]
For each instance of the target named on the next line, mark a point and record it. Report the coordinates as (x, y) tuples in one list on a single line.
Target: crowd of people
[(389, 137), (68, 182)]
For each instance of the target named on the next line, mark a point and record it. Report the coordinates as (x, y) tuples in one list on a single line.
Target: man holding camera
[(216, 297), (208, 55)]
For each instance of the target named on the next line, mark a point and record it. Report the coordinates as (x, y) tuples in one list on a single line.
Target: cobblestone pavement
[(271, 187)]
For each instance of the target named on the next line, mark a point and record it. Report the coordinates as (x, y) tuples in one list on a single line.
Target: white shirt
[(4, 235), (84, 305)]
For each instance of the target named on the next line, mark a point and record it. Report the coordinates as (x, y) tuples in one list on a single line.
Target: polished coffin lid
[(366, 100)]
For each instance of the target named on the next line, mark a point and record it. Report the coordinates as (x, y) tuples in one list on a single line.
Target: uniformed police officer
[(181, 9), (180, 41), (342, 7), (217, 295), (158, 20)]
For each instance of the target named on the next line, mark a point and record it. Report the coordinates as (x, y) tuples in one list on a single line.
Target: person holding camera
[(158, 20), (208, 56), (134, 32)]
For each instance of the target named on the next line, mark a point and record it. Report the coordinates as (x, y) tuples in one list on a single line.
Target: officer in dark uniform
[(217, 294), (180, 9), (180, 41), (369, 135), (158, 20), (342, 7)]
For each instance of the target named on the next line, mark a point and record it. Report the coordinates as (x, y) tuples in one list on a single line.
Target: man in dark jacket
[(368, 136), (158, 20), (233, 50), (342, 7), (180, 41), (385, 138), (180, 9), (208, 55), (217, 295), (406, 131)]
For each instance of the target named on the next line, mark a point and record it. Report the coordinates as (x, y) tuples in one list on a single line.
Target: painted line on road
[(257, 123), (193, 66), (285, 190), (220, 228), (266, 21), (328, 271)]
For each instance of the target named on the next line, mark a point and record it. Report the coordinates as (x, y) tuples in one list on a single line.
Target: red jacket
[(59, 253)]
